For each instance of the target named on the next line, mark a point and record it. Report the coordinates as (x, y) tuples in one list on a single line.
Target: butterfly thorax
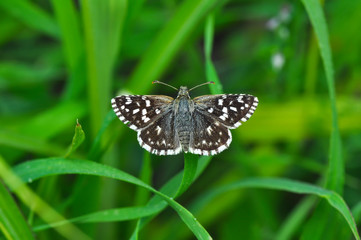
[(183, 109)]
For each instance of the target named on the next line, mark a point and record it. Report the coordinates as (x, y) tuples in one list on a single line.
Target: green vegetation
[(291, 172)]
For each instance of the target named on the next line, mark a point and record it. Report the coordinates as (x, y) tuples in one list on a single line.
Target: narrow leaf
[(78, 139), (12, 222)]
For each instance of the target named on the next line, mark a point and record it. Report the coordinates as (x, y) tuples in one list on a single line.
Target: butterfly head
[(183, 92)]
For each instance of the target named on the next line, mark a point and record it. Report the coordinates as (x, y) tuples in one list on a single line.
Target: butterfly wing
[(228, 109), (139, 111), (208, 136), (160, 136)]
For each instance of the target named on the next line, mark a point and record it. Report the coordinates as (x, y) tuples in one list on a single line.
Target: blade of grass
[(168, 42), (78, 139), (35, 203), (335, 175), (110, 215), (73, 47), (104, 137), (12, 222), (211, 72), (103, 22), (31, 15), (295, 219), (142, 196), (71, 37), (170, 189), (53, 166), (333, 198), (189, 172)]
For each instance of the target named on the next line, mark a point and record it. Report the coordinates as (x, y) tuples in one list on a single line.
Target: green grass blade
[(12, 222), (78, 139), (333, 198), (189, 172), (294, 221), (170, 189), (31, 15), (72, 42), (335, 176), (211, 72), (142, 195), (356, 210), (110, 215), (104, 137), (36, 204), (103, 22), (168, 42), (53, 166)]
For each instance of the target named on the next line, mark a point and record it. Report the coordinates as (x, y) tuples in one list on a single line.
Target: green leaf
[(333, 198), (53, 166), (103, 23), (72, 42), (170, 189), (294, 221), (142, 195), (189, 172), (211, 72), (12, 222), (335, 175), (36, 204), (31, 15), (79, 137)]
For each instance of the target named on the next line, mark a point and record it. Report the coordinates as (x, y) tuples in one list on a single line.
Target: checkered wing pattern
[(160, 136), (229, 109), (139, 111), (209, 136)]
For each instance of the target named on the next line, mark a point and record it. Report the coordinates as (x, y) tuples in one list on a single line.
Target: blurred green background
[(63, 60)]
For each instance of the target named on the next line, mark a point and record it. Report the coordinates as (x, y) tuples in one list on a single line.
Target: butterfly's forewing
[(139, 111), (160, 136), (208, 136), (229, 109)]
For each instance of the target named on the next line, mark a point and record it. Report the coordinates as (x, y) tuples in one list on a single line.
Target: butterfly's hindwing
[(209, 136), (160, 137), (229, 109), (138, 111)]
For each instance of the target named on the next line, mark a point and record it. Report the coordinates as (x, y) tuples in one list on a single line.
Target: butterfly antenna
[(200, 85), (164, 84)]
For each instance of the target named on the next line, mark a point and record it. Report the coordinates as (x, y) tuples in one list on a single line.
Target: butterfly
[(168, 126)]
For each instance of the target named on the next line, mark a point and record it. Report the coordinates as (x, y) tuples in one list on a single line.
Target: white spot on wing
[(136, 110), (147, 103), (158, 129)]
